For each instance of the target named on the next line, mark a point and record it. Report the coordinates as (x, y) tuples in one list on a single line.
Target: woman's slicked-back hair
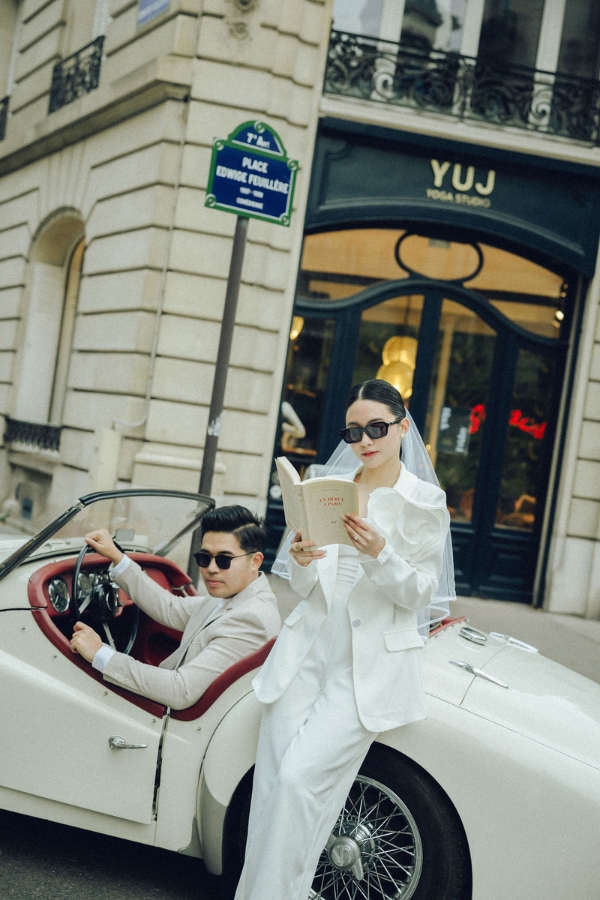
[(380, 391), (248, 528)]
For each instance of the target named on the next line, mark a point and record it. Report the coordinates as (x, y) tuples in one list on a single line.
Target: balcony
[(32, 436), (76, 75), (465, 87), (3, 116)]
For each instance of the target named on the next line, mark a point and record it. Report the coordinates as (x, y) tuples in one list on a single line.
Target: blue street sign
[(250, 175)]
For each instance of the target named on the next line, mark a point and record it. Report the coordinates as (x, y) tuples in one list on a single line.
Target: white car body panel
[(520, 764), (530, 814), (510, 791), (40, 808), (56, 725), (546, 702), (219, 781)]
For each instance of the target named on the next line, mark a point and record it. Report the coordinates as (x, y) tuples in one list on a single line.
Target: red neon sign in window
[(536, 429)]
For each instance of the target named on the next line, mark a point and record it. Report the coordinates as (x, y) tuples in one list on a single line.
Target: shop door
[(483, 393)]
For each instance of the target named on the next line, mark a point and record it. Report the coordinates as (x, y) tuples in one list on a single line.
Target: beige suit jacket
[(243, 624)]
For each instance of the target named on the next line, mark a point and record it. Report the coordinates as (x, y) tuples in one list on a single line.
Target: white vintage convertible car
[(495, 795)]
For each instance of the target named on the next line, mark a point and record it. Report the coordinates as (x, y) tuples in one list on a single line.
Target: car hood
[(544, 701)]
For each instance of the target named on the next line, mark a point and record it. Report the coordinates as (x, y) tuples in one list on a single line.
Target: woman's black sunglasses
[(203, 559), (374, 430)]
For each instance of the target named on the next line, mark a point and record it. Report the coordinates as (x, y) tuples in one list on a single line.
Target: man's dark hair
[(248, 528)]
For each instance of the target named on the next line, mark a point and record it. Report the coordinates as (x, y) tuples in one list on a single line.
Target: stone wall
[(573, 575), (131, 160)]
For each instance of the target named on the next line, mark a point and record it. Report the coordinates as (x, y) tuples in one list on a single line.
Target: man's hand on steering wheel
[(85, 641), (101, 601), (102, 543)]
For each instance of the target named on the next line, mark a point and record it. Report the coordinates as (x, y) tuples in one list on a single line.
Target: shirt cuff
[(102, 656), (117, 570), (368, 563)]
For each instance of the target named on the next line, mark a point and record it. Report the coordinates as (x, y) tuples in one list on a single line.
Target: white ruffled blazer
[(383, 604)]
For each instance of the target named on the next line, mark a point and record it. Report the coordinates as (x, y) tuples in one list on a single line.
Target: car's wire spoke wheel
[(375, 850)]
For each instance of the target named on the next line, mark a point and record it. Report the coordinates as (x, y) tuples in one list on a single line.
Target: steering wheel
[(102, 603)]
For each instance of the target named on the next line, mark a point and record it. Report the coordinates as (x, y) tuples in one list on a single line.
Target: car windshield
[(159, 522)]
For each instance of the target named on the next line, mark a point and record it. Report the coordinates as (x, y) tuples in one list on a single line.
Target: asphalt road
[(44, 861)]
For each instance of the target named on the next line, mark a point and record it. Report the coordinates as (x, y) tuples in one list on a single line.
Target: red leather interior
[(446, 623), (154, 642), (241, 667)]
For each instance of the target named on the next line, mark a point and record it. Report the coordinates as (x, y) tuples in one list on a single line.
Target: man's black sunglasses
[(203, 559), (374, 430)]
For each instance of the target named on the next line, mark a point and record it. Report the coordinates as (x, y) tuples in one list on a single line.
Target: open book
[(316, 506)]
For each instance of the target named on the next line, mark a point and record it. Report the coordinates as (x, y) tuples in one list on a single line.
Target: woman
[(347, 664)]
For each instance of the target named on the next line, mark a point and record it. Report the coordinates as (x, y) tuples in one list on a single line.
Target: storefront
[(459, 276)]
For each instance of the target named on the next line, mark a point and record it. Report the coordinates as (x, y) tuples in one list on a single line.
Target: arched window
[(47, 328)]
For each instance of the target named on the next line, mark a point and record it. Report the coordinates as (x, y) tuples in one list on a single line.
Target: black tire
[(234, 837), (399, 796), (397, 815)]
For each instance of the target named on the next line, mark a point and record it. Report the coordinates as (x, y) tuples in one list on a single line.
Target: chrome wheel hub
[(374, 852), (344, 853), (350, 849)]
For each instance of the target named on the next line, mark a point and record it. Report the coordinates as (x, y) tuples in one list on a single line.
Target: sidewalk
[(569, 640)]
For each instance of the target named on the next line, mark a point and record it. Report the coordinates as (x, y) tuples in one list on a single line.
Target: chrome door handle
[(474, 671), (118, 743)]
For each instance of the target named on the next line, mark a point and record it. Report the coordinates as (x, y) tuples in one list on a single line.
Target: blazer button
[(356, 623)]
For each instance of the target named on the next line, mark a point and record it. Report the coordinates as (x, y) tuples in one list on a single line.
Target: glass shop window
[(525, 444), (307, 373), (458, 396), (388, 340), (340, 264)]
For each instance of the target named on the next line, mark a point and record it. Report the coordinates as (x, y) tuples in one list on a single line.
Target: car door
[(56, 725)]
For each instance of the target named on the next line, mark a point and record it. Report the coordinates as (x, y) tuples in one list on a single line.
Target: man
[(238, 617)]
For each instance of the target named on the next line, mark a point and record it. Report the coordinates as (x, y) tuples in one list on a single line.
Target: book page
[(288, 480), (326, 500)]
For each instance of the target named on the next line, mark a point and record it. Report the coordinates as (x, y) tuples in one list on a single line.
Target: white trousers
[(310, 749)]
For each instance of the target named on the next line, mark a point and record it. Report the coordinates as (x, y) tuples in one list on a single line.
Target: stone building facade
[(104, 198)]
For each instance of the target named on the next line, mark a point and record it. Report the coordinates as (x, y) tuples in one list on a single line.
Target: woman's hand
[(364, 537), (102, 543), (303, 552)]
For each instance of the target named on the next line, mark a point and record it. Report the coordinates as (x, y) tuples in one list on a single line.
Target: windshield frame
[(30, 546)]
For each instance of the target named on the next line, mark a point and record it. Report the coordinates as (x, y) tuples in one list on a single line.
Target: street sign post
[(251, 176)]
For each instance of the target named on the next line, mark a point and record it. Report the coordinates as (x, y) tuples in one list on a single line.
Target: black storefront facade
[(459, 274)]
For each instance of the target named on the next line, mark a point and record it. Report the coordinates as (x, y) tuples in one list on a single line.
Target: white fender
[(229, 755)]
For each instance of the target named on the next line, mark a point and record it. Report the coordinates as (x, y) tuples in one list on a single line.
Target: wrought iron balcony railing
[(463, 86), (76, 75), (3, 117), (40, 437)]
